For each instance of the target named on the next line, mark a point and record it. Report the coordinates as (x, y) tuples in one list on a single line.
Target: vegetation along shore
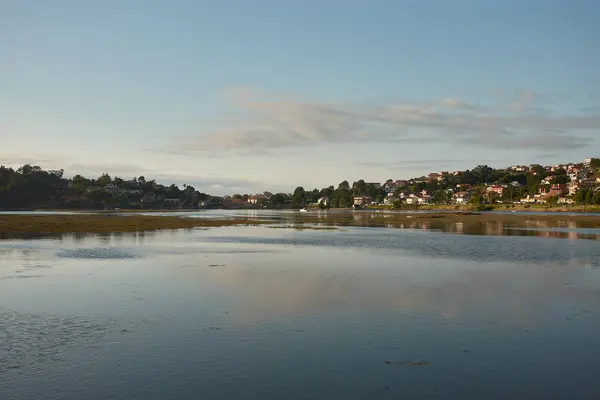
[(557, 187), (17, 225)]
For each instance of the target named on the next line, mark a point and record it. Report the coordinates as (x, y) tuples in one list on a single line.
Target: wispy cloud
[(39, 159), (423, 163), (591, 110), (524, 101), (290, 123), (456, 104)]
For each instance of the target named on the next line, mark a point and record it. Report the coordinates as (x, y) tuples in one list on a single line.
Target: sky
[(246, 96)]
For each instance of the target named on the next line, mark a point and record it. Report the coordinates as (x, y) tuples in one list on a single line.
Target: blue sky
[(246, 96)]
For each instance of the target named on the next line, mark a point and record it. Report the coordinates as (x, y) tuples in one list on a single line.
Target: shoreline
[(492, 208), (500, 208), (16, 225)]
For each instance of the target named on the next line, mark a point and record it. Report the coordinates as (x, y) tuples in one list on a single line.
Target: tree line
[(518, 185), (32, 187)]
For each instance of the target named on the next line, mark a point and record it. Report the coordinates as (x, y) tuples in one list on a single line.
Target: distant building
[(412, 200), (91, 189), (425, 199), (461, 197), (536, 199), (113, 189), (362, 200), (565, 200), (257, 199), (495, 189), (463, 186), (389, 201), (519, 168), (433, 176), (574, 188), (324, 201)]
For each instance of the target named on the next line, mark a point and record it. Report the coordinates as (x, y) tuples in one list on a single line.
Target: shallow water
[(254, 312)]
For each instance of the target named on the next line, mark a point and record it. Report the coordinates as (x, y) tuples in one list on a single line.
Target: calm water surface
[(260, 313)]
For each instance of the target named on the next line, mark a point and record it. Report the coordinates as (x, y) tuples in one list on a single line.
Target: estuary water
[(262, 313)]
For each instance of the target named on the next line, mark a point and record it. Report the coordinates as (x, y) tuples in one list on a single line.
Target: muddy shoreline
[(19, 224)]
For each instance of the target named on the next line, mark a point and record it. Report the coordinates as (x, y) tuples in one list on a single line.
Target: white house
[(389, 201), (461, 197), (565, 200), (426, 199), (362, 200), (112, 188), (323, 201)]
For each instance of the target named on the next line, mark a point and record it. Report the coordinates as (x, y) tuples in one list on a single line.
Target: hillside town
[(560, 184)]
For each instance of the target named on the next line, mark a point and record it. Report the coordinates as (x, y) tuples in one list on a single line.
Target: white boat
[(303, 210)]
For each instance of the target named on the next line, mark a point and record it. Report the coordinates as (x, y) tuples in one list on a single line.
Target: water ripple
[(96, 253), (27, 338), (430, 244)]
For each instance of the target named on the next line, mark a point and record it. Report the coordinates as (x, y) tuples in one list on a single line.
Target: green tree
[(104, 180), (537, 168), (314, 196), (552, 200), (328, 191), (359, 188), (173, 192), (278, 199), (561, 179), (299, 196), (79, 182), (580, 196), (589, 195), (440, 196), (476, 199), (493, 197), (342, 195)]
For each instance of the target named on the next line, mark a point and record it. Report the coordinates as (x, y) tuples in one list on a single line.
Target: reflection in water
[(519, 226), (508, 296), (253, 312), (487, 224), (513, 249)]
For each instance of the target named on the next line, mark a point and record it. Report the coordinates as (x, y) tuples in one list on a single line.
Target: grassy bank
[(487, 207), (445, 220), (16, 225), (464, 222), (511, 207)]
